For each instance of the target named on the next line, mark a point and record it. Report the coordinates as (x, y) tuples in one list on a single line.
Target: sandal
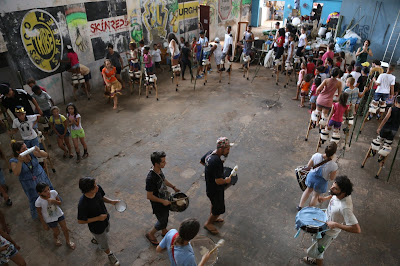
[(71, 245), (58, 242), (152, 241), (94, 241), (211, 231), (219, 220), (310, 261)]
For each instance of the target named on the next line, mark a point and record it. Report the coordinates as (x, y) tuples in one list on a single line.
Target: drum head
[(201, 245), (234, 179), (305, 219), (120, 206), (179, 202)]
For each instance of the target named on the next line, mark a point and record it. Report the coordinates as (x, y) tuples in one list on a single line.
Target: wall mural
[(154, 19), (224, 9), (42, 39), (136, 25)]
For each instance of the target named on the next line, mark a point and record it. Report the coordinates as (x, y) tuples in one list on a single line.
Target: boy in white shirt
[(24, 123), (50, 214), (156, 56), (385, 89)]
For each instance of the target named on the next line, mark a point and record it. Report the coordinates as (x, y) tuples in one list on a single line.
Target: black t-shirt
[(21, 98), (89, 208), (114, 59), (363, 81), (214, 169), (185, 54), (155, 183), (393, 122)]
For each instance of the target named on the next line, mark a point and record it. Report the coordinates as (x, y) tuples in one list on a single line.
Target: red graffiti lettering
[(109, 25)]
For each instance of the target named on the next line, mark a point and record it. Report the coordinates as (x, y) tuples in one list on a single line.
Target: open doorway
[(316, 11), (272, 12)]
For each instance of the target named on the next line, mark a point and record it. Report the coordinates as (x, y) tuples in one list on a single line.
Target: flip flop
[(58, 242), (211, 231), (152, 241), (71, 245), (310, 261)]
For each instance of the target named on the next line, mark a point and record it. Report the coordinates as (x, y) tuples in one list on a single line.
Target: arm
[(150, 196), (359, 51), (105, 80), (110, 201), (310, 164), (8, 237), (159, 249), (348, 228), (76, 121), (331, 113), (339, 88), (322, 199), (370, 52), (13, 131), (320, 87), (55, 201), (121, 61), (39, 211), (168, 184), (36, 106), (101, 217), (391, 90), (332, 175), (39, 153), (384, 121), (65, 128), (203, 164), (16, 167)]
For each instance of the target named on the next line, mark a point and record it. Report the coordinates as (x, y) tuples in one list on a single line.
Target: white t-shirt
[(73, 126), (203, 41), (50, 212), (228, 41), (287, 34), (323, 76), (156, 55), (26, 127), (386, 80), (327, 168), (218, 51), (276, 37), (175, 46), (355, 75), (340, 211), (302, 40)]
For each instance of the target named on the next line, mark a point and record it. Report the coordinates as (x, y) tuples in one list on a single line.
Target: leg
[(74, 91), (18, 259), (314, 199), (297, 93), (76, 145), (66, 140), (56, 233), (60, 143), (83, 142), (305, 196), (183, 64), (3, 223), (115, 102), (118, 76)]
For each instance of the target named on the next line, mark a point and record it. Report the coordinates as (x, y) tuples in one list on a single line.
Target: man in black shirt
[(17, 97), (157, 193), (92, 211), (116, 60), (185, 60), (215, 182)]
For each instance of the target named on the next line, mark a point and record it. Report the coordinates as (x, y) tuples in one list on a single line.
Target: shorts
[(313, 99), (150, 70), (335, 124), (135, 65), (217, 202), (7, 254), (87, 77), (31, 142), (303, 93), (176, 57), (323, 107), (55, 223), (317, 182), (46, 113), (102, 239), (279, 52), (381, 96), (158, 64), (75, 66), (2, 178), (77, 133), (162, 215), (313, 251), (118, 70), (387, 133), (299, 51), (116, 88)]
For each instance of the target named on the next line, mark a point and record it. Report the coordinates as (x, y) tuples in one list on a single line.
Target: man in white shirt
[(227, 50), (385, 89), (340, 217), (203, 41)]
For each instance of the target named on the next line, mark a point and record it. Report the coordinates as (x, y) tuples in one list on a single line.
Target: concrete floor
[(260, 215)]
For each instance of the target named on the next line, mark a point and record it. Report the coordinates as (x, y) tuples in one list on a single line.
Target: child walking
[(305, 85), (77, 132), (353, 94), (147, 60), (50, 214), (302, 73), (313, 92), (338, 109), (156, 54), (59, 124)]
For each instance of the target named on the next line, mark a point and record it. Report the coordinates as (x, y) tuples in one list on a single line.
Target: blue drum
[(305, 220)]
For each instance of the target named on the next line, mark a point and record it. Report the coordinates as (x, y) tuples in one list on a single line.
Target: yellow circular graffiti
[(42, 39)]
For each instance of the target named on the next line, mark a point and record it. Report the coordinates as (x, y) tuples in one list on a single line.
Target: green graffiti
[(235, 9), (137, 32), (76, 19), (246, 2)]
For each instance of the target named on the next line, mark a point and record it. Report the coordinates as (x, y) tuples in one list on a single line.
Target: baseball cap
[(223, 142)]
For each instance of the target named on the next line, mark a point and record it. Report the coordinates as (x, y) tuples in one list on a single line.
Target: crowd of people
[(334, 88)]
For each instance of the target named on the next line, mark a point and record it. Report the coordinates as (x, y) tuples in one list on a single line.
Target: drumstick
[(319, 221), (219, 244), (177, 199)]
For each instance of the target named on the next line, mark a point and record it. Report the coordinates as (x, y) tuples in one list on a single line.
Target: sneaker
[(113, 260), (199, 77), (369, 117), (378, 116)]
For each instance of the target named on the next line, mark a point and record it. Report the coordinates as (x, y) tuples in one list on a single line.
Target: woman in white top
[(302, 43), (174, 48)]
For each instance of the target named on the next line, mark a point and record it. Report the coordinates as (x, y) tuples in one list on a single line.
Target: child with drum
[(321, 168)]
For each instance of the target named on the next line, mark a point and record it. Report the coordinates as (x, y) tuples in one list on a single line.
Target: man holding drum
[(215, 182), (339, 211), (157, 193)]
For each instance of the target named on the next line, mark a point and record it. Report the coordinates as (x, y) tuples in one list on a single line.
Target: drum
[(234, 178), (301, 174), (305, 220), (201, 245), (179, 202)]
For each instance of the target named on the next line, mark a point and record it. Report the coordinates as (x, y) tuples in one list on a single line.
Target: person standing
[(215, 182), (25, 124), (43, 99), (385, 83), (113, 86), (116, 61), (340, 217), (185, 60), (93, 212), (201, 44), (157, 193), (18, 97), (248, 39), (228, 47), (363, 53)]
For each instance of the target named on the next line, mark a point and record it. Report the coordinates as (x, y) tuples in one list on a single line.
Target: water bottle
[(321, 249)]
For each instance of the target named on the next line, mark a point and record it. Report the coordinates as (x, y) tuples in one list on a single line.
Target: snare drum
[(179, 202), (201, 245), (305, 220), (301, 175)]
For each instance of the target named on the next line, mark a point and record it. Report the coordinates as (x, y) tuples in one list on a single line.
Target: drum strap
[(172, 246), (321, 163)]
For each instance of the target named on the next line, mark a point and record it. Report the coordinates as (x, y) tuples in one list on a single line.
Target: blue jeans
[(31, 142), (383, 96)]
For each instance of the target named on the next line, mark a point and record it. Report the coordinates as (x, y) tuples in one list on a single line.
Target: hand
[(5, 247), (41, 112), (176, 189), (102, 217), (332, 225), (321, 199), (46, 227), (51, 201), (228, 180), (166, 202), (21, 158), (17, 247), (37, 149), (113, 202), (378, 131)]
